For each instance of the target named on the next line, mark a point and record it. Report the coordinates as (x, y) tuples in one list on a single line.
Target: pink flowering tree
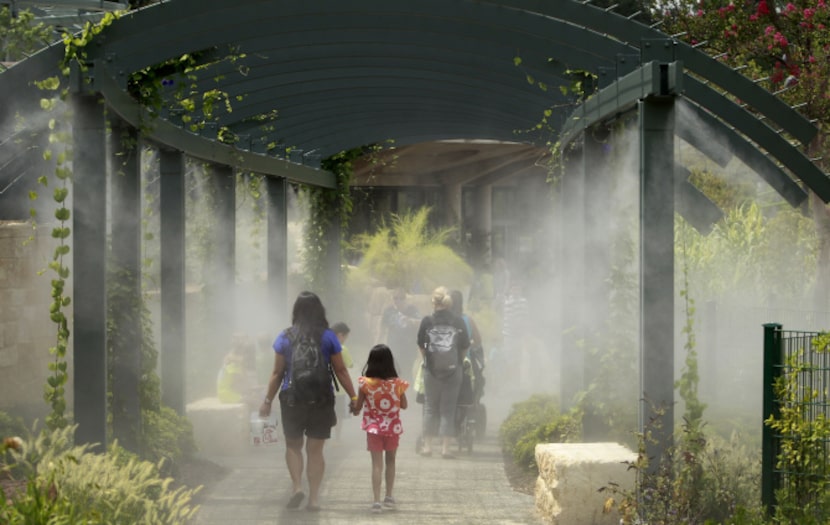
[(784, 47)]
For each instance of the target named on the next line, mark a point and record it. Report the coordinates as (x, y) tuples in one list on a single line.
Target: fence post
[(772, 370)]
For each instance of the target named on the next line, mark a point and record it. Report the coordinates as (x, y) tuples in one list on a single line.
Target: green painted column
[(277, 264), (220, 285), (89, 249), (571, 219), (172, 217), (773, 368), (124, 296), (656, 123), (597, 260)]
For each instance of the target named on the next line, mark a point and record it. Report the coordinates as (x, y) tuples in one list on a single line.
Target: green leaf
[(517, 61)]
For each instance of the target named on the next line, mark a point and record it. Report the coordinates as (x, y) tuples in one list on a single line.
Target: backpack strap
[(468, 325)]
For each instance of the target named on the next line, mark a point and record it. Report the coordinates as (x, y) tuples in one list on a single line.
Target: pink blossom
[(769, 30), (753, 17), (789, 8), (808, 13), (763, 8), (700, 12)]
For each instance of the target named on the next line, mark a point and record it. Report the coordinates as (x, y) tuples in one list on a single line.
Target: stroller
[(471, 414)]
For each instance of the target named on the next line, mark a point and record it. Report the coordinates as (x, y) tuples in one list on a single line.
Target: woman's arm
[(273, 385)]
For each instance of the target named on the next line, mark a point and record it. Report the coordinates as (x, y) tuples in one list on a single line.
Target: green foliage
[(164, 434), (536, 420), (717, 484), (770, 41), (767, 257), (805, 434), (166, 439), (406, 253), (566, 428), (73, 484), (20, 36), (687, 385)]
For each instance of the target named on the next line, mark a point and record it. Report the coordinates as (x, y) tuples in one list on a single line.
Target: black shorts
[(314, 421)]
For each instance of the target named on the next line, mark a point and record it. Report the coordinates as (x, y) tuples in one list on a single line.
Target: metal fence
[(794, 358)]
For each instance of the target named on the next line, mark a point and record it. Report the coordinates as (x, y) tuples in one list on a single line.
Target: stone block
[(570, 476), (220, 429)]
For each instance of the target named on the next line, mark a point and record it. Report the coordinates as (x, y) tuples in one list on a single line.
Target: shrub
[(166, 437), (72, 484), (565, 428), (536, 420)]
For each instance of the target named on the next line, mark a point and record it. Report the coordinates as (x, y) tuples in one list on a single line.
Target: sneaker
[(389, 502), (377, 508)]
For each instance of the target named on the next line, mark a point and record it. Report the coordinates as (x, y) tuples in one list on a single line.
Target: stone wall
[(26, 332)]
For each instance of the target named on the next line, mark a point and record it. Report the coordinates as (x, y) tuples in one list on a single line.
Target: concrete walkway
[(471, 489)]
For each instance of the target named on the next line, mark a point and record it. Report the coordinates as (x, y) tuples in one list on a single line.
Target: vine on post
[(54, 393), (60, 152), (326, 205)]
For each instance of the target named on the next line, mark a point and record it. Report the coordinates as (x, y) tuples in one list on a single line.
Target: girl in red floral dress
[(381, 393)]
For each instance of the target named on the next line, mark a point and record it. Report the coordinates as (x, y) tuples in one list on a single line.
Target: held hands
[(354, 408)]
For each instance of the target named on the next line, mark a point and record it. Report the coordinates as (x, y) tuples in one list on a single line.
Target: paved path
[(472, 489)]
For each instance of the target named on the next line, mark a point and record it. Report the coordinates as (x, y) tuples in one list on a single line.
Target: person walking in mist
[(399, 322), (307, 416), (443, 341), (341, 403), (382, 394)]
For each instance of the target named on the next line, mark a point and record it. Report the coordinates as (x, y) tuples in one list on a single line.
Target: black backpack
[(310, 380), (442, 350)]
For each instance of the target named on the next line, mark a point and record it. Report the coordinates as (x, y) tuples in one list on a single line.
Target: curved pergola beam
[(623, 95), (633, 33), (172, 136)]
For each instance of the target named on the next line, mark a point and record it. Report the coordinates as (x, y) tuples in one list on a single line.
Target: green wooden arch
[(346, 74)]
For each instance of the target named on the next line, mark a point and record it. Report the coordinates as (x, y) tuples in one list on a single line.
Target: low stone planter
[(220, 429), (570, 476)]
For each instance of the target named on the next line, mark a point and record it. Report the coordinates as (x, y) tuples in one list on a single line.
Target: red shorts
[(378, 443)]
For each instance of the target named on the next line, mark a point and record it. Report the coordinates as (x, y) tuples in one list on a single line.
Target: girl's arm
[(361, 398), (404, 403)]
